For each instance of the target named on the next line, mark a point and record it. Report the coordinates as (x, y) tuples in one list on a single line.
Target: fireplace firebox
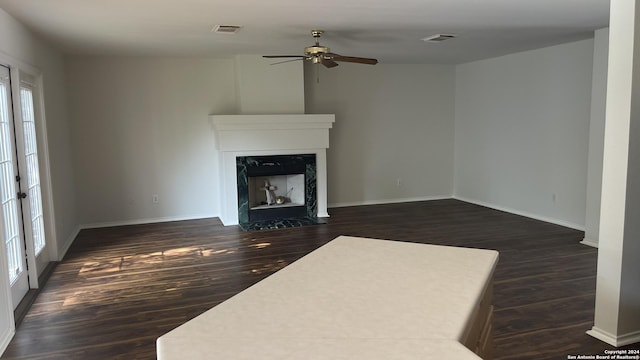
[(276, 191)]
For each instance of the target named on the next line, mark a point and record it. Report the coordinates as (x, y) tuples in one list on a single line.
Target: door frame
[(36, 262)]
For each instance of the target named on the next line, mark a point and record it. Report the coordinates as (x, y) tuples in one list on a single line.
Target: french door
[(20, 191)]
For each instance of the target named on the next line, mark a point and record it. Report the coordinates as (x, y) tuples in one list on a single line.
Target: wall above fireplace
[(263, 135)]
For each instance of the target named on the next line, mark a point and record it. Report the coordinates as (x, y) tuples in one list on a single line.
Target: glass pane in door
[(32, 169)]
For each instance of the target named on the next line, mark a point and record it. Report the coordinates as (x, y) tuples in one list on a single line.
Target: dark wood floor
[(118, 289)]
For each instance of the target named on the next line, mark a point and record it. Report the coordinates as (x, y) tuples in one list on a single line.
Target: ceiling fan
[(318, 54)]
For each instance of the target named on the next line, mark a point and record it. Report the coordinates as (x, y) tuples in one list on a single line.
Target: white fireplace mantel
[(261, 135)]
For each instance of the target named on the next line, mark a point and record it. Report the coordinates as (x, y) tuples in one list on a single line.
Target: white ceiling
[(389, 30)]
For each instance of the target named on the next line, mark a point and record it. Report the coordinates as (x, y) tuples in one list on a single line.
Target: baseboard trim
[(617, 341), (630, 338), (146, 221), (589, 242), (521, 213), (388, 201)]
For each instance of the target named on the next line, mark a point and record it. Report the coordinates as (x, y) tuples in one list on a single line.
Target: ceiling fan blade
[(283, 56), (354, 59), (328, 63), (286, 61)]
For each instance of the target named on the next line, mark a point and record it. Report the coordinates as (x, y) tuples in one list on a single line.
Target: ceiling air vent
[(226, 29), (438, 38)]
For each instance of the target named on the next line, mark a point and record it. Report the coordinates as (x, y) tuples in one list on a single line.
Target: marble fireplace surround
[(264, 135)]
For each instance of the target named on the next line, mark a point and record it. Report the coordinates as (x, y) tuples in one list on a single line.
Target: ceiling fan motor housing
[(316, 53), (316, 50)]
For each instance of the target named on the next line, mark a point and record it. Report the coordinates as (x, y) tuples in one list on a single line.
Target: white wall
[(529, 111), (263, 88), (522, 130), (141, 127), (18, 43), (392, 122)]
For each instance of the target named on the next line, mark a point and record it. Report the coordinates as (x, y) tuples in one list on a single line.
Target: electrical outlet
[(156, 198)]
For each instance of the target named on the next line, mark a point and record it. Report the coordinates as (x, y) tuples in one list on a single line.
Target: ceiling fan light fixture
[(226, 29), (438, 38)]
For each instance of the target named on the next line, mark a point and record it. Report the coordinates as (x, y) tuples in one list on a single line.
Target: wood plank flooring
[(118, 289)]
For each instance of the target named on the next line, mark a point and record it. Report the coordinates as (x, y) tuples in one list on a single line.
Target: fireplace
[(284, 150), (276, 191)]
